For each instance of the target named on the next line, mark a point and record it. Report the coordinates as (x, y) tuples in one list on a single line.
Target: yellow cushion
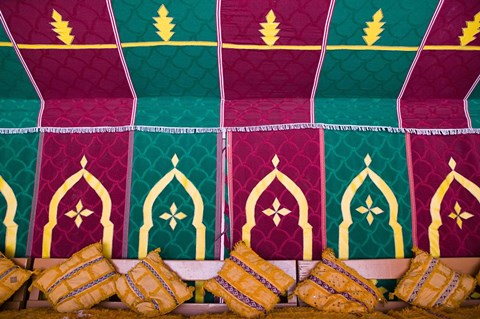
[(151, 288), (80, 282), (249, 284), (334, 286), (12, 277), (429, 283)]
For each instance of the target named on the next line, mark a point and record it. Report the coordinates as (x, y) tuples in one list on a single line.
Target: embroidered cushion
[(429, 283), (250, 285), (334, 286), (151, 288), (80, 282), (12, 277)]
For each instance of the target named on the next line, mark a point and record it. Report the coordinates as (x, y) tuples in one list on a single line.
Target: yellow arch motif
[(10, 225), (197, 222), (343, 240), (102, 193), (435, 204), (297, 194)]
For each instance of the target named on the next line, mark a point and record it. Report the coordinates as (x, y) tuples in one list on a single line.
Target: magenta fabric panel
[(275, 74), (69, 72), (274, 187), (440, 78), (79, 174), (266, 111), (301, 22), (433, 113), (263, 71), (29, 21), (87, 112), (449, 23), (446, 175)]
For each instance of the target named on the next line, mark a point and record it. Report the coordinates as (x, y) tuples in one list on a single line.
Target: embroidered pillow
[(80, 282), (334, 286), (429, 283), (250, 285), (12, 277), (151, 288)]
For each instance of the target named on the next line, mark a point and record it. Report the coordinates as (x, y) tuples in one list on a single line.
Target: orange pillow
[(249, 284), (12, 277), (429, 283), (334, 286)]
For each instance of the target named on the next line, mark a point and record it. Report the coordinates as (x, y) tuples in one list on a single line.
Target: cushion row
[(250, 285)]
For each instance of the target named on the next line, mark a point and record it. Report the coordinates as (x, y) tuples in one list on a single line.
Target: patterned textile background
[(190, 125)]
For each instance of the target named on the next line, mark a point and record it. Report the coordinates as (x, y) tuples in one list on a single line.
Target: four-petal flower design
[(369, 210), (173, 216), (78, 213), (276, 211)]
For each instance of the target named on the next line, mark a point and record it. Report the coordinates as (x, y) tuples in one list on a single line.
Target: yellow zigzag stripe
[(270, 29), (470, 31), (61, 28)]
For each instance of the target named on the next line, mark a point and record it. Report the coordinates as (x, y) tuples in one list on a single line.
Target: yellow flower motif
[(459, 216), (276, 212), (78, 213), (173, 216), (369, 210)]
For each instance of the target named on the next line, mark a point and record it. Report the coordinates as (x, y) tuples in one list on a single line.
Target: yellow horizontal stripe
[(273, 47), (170, 43), (243, 46), (66, 47), (451, 48), (369, 48)]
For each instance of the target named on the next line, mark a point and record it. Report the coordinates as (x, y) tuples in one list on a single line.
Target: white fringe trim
[(260, 128)]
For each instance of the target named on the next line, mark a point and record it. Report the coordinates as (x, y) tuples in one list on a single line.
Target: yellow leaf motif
[(470, 31), (270, 29), (276, 211), (374, 28), (369, 210), (61, 28), (164, 24)]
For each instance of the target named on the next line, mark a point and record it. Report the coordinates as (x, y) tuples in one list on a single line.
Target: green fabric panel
[(18, 113), (17, 168), (474, 107), (387, 152), (14, 82), (152, 161), (194, 20), (170, 77), (178, 112), (173, 71), (369, 74), (364, 74), (20, 103), (356, 111), (405, 21)]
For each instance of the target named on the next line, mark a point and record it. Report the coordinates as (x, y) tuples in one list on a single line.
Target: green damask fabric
[(185, 93), (369, 74), (474, 107), (374, 169), (17, 175), (185, 166), (19, 101)]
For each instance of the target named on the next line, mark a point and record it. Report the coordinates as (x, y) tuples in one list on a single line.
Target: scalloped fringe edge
[(260, 128)]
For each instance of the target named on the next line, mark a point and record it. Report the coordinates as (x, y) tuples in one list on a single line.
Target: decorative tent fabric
[(290, 125)]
